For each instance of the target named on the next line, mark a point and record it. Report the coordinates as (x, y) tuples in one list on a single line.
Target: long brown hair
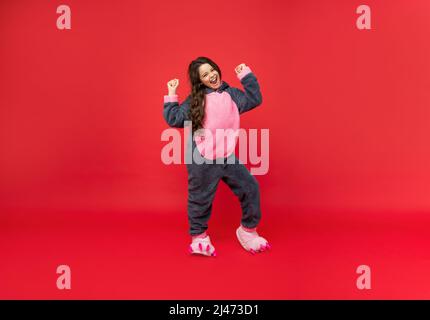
[(197, 107)]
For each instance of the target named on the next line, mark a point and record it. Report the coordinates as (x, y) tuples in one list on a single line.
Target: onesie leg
[(203, 181), (245, 186)]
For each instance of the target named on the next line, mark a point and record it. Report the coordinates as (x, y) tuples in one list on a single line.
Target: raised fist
[(239, 68), (172, 85)]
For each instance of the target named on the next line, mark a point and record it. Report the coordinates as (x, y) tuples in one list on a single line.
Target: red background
[(82, 182)]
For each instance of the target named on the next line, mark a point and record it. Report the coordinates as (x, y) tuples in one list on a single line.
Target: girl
[(213, 105)]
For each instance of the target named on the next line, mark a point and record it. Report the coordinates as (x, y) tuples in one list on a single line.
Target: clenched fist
[(239, 68), (172, 85)]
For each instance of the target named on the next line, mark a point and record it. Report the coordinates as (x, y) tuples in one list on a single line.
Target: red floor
[(142, 255)]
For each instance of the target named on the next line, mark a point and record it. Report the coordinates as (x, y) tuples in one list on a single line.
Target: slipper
[(251, 241), (202, 246)]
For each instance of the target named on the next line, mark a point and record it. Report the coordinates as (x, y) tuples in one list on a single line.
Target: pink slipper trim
[(202, 235), (248, 229)]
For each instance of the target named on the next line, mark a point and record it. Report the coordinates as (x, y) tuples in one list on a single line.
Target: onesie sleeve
[(174, 113), (251, 97)]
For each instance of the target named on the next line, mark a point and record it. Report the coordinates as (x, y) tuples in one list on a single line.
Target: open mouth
[(214, 80)]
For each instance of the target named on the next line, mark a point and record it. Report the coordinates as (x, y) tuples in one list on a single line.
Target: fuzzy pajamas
[(222, 109), (203, 182)]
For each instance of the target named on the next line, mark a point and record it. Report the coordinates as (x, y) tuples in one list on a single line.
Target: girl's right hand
[(172, 85)]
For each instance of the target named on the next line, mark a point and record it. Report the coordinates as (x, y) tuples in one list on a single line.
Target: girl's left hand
[(239, 68)]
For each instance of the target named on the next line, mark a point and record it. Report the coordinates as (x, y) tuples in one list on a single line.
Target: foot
[(251, 241), (202, 246)]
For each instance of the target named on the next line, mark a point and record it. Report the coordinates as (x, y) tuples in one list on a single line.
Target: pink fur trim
[(168, 98), (202, 235), (244, 72), (248, 229)]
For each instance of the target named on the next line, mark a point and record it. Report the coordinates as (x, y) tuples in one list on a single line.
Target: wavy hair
[(197, 106)]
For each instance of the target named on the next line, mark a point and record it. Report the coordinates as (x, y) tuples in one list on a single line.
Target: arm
[(251, 98), (174, 113)]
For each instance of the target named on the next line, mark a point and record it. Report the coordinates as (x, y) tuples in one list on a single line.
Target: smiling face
[(209, 76)]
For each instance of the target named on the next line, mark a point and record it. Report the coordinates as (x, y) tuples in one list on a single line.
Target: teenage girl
[(213, 105)]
